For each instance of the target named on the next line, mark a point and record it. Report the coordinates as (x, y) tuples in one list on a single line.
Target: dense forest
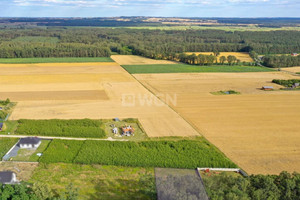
[(158, 44)]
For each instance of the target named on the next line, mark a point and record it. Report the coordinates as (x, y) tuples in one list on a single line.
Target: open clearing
[(242, 56), (120, 96), (138, 60), (258, 130)]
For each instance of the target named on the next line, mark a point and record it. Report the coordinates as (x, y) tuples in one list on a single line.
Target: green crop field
[(184, 68), (54, 60), (173, 154), (61, 151), (40, 39), (82, 128), (6, 144)]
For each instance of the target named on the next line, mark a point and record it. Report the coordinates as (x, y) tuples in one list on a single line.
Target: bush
[(4, 103), (61, 151), (286, 83), (174, 154), (85, 128)]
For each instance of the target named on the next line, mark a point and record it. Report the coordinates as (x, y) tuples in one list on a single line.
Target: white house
[(29, 142), (8, 177)]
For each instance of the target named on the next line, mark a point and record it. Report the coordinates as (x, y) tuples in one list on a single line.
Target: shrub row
[(174, 154), (286, 83), (64, 128)]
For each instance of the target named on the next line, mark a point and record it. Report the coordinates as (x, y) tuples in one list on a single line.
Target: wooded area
[(158, 44)]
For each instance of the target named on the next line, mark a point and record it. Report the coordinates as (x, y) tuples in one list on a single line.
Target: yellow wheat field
[(86, 90), (258, 130), (138, 60), (242, 56)]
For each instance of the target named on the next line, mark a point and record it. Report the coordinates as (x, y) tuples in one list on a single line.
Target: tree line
[(281, 61)]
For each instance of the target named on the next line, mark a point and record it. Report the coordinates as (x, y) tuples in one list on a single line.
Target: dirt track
[(29, 84), (259, 130)]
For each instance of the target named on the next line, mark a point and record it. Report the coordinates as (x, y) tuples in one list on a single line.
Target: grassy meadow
[(99, 182)]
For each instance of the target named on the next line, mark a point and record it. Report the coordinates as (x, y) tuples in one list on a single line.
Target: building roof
[(29, 140), (268, 87), (1, 125), (6, 176)]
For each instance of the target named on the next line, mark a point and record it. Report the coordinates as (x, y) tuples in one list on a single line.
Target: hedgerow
[(61, 151), (64, 128), (174, 154), (286, 83)]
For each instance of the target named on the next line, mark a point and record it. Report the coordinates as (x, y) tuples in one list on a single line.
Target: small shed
[(267, 88), (29, 142), (8, 177), (1, 126)]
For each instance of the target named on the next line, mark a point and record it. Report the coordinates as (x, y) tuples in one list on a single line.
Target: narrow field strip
[(184, 68)]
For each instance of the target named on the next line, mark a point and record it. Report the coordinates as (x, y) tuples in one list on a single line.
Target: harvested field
[(242, 56), (138, 60), (87, 90), (56, 95), (258, 130), (291, 69)]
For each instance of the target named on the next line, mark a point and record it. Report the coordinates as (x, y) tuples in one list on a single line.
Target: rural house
[(8, 177), (29, 142), (294, 54), (1, 126)]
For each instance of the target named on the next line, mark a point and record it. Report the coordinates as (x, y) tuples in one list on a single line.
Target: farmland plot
[(87, 90), (258, 130)]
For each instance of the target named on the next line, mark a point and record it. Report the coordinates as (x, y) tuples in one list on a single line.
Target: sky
[(157, 8)]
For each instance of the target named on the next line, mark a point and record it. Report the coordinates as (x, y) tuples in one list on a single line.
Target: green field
[(164, 153), (82, 128), (40, 39), (184, 68), (99, 182), (6, 144), (54, 60)]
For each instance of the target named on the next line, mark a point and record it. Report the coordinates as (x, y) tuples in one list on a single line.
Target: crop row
[(174, 154)]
